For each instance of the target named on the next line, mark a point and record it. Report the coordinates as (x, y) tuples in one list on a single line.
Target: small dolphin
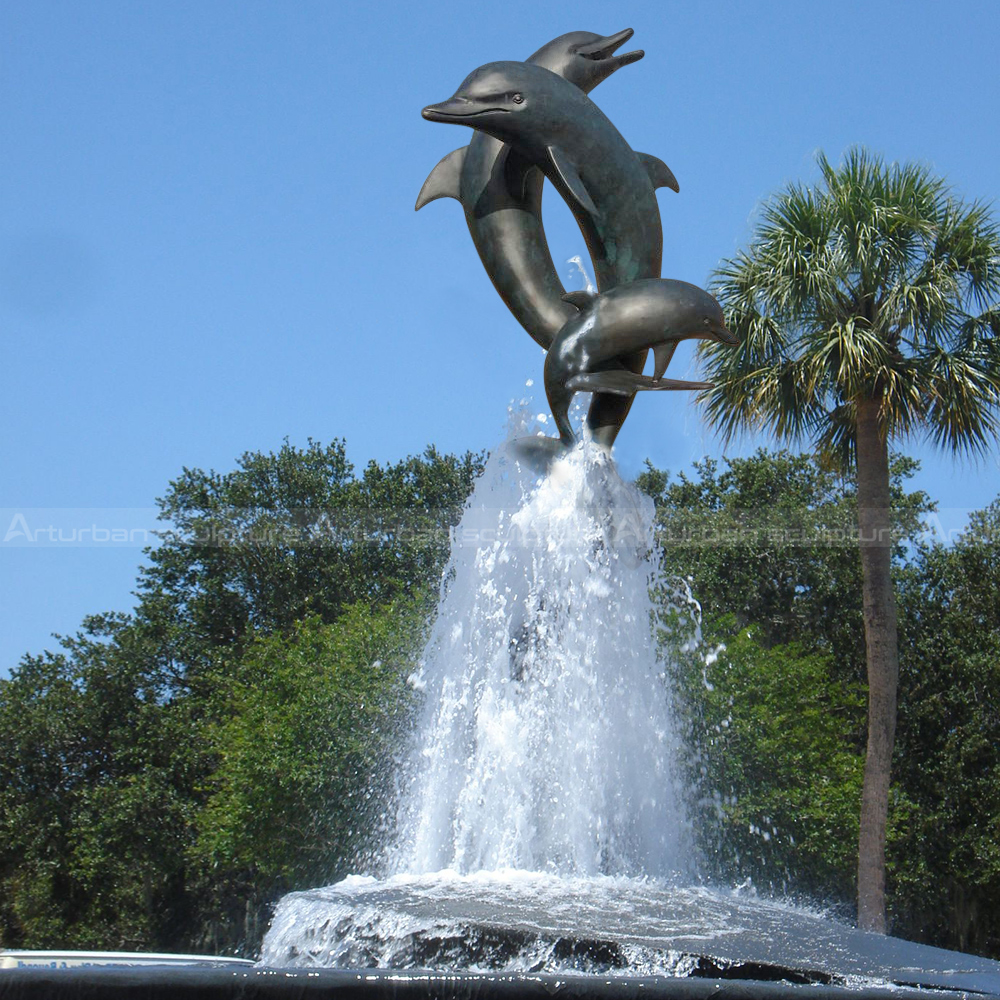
[(609, 188), (657, 313), (501, 191)]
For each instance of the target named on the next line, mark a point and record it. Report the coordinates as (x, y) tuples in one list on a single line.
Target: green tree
[(774, 731), (767, 541), (774, 765), (866, 307), (944, 846), (290, 534), (124, 817), (303, 779), (98, 772)]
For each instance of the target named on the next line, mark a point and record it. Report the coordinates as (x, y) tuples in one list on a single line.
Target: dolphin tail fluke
[(624, 383), (539, 452), (444, 180), (659, 173), (580, 298)]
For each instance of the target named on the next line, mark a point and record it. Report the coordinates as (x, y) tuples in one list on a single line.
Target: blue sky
[(208, 241)]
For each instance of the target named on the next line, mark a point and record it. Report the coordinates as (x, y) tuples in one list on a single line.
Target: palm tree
[(867, 307)]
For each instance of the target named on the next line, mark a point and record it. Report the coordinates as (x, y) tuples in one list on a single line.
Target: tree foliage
[(98, 774), (290, 534), (774, 734), (301, 784), (308, 720), (768, 699), (775, 770), (878, 283), (770, 541), (167, 773), (945, 843)]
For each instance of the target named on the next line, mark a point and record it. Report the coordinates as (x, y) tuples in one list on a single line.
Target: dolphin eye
[(517, 98)]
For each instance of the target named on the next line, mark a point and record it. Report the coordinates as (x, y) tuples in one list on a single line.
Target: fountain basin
[(302, 984), (529, 923)]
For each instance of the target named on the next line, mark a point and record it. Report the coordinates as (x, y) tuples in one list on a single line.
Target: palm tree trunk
[(883, 659)]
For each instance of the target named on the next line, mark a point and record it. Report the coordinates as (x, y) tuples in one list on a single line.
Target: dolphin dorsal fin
[(566, 171), (659, 173), (582, 299), (444, 180), (662, 354)]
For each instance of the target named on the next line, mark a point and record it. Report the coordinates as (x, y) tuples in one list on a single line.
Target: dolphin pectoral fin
[(672, 383), (618, 383), (624, 383), (444, 180), (659, 173), (569, 175), (661, 357), (582, 299)]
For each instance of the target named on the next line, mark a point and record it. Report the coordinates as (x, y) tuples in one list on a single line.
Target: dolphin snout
[(603, 48), (458, 109), (454, 107), (726, 336)]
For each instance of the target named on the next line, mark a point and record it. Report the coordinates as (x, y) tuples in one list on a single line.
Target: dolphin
[(550, 124), (501, 191), (586, 355), (585, 59)]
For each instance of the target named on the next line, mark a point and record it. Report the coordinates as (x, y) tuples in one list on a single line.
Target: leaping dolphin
[(610, 189), (656, 313), (501, 192)]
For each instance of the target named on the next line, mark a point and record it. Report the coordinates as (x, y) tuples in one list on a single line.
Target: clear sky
[(208, 243)]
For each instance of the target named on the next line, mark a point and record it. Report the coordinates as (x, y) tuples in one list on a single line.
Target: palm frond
[(836, 439), (877, 283), (963, 388)]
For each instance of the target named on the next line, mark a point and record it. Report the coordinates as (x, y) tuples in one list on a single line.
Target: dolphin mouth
[(717, 332), (457, 110), (604, 48)]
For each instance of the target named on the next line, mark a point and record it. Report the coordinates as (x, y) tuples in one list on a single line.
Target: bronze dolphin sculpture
[(586, 355), (553, 126), (501, 192)]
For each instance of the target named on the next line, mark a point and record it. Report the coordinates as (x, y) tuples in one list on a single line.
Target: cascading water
[(545, 754), (547, 743)]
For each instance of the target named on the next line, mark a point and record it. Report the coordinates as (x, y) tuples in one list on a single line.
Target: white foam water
[(545, 750), (546, 743), (514, 922)]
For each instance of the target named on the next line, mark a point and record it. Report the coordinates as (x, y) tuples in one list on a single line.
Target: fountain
[(541, 845), (542, 770), (541, 831)]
